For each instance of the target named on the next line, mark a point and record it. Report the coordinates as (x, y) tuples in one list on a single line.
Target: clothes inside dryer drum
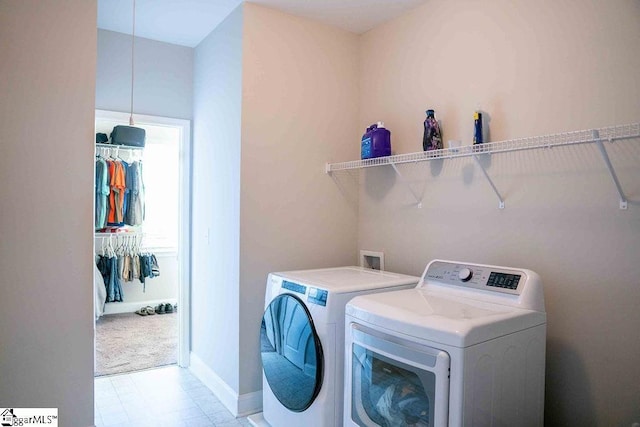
[(389, 393), (291, 353)]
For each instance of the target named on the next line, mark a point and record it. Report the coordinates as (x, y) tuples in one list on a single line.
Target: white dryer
[(466, 347), (302, 341)]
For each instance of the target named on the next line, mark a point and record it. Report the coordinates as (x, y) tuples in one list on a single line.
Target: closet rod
[(123, 147), (123, 234)]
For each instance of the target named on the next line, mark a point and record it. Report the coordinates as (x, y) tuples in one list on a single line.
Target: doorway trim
[(184, 239)]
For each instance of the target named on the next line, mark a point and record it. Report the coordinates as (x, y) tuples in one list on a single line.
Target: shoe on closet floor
[(142, 311), (160, 309), (168, 308), (146, 311)]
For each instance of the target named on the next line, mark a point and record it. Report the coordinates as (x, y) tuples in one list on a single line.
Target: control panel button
[(465, 274)]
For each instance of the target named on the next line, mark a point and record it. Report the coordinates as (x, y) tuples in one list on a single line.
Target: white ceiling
[(187, 22)]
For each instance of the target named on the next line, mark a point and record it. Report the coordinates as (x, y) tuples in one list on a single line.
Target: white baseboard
[(250, 403), (238, 405), (131, 307), (257, 420)]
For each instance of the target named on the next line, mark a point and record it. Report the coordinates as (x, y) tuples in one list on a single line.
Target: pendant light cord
[(133, 44)]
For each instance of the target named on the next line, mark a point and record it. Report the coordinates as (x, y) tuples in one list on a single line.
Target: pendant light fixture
[(133, 44)]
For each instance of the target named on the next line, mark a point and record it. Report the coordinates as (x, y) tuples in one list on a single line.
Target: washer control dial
[(465, 274)]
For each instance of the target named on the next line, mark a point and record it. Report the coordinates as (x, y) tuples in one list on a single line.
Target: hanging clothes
[(126, 191), (120, 201), (155, 268), (135, 208), (119, 192), (99, 293), (135, 269), (116, 197), (127, 275), (108, 266), (124, 263), (145, 266), (102, 193), (129, 178)]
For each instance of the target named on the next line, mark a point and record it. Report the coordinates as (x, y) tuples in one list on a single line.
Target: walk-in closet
[(141, 269)]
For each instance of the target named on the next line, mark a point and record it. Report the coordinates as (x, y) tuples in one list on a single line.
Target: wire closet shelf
[(610, 134), (596, 136), (101, 146)]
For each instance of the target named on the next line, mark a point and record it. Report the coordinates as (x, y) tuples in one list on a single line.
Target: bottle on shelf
[(432, 137), (365, 145), (477, 128), (376, 142)]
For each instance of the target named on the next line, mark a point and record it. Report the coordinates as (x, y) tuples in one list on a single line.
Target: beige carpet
[(129, 342)]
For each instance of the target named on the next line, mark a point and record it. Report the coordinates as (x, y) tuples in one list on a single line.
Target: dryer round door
[(292, 357)]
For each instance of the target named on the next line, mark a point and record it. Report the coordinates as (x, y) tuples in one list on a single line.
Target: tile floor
[(169, 396)]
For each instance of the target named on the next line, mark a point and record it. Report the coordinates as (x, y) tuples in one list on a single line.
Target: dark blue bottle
[(477, 128), (365, 145), (380, 140)]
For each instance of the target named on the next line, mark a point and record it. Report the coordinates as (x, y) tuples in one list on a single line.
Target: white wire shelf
[(597, 136), (118, 147), (569, 138), (117, 234)]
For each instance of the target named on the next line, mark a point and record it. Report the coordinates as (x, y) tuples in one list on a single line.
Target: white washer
[(466, 347), (302, 341)]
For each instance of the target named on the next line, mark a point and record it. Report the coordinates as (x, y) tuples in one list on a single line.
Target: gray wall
[(536, 68), (216, 199), (47, 81), (163, 84)]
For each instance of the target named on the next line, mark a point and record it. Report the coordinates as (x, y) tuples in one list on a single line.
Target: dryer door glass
[(396, 386), (291, 353)]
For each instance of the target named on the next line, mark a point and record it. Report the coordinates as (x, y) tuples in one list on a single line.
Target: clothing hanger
[(132, 245), (112, 252), (120, 154), (121, 244), (109, 152)]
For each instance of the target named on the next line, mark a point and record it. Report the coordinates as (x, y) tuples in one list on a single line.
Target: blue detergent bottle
[(365, 145), (380, 140)]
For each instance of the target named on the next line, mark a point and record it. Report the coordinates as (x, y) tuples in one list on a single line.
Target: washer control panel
[(294, 287), (315, 296), (493, 279)]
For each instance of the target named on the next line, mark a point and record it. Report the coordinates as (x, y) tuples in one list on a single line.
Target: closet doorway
[(129, 334)]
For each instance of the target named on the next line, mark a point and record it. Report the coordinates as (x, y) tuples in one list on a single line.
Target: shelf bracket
[(486, 175), (612, 172), (415, 196)]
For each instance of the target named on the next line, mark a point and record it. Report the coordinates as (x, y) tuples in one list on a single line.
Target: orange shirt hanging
[(116, 196)]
